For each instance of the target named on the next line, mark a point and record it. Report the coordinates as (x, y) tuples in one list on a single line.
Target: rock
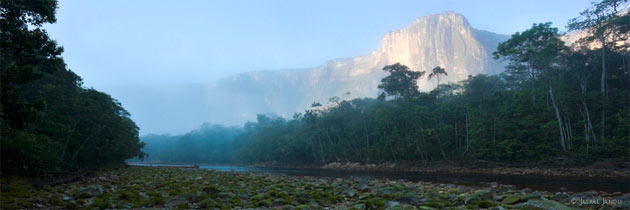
[(189, 197), (496, 208), (91, 191), (66, 198), (359, 206), (534, 195), (526, 190), (144, 195), (624, 204), (625, 197), (384, 191), (350, 193), (485, 193), (560, 197), (363, 187), (484, 204), (472, 198), (409, 198), (625, 201), (391, 204), (542, 204), (452, 197), (498, 197), (211, 191), (493, 184), (172, 203), (279, 202), (512, 199), (586, 194)]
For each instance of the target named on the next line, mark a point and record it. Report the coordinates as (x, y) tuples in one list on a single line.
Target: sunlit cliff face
[(445, 39)]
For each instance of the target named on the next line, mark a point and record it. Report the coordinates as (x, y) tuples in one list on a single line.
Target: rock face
[(445, 39)]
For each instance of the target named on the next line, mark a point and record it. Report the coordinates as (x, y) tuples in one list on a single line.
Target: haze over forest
[(208, 55), (296, 105)]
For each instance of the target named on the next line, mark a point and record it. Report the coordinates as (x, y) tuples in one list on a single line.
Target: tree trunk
[(456, 136), (494, 131), (602, 131), (533, 87), (568, 131), (558, 118), (313, 150), (76, 153), (439, 135), (321, 150), (422, 153), (438, 81), (367, 142), (587, 131), (467, 140)]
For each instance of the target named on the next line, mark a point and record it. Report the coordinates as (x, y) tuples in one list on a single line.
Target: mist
[(162, 69), (403, 104)]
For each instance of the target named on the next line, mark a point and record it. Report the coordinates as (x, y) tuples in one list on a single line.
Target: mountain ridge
[(445, 39)]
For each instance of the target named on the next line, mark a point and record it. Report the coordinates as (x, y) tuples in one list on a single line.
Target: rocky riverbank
[(495, 170), (140, 187)]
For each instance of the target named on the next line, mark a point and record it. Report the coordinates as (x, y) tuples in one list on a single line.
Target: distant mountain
[(445, 39)]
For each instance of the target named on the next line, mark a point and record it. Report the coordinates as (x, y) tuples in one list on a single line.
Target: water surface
[(546, 183)]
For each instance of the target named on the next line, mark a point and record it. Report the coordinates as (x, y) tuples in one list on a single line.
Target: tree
[(539, 48), (435, 72), (607, 22), (401, 82), (49, 123)]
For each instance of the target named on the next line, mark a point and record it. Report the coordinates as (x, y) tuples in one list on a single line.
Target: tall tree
[(401, 82), (540, 48), (49, 123), (602, 22), (436, 72)]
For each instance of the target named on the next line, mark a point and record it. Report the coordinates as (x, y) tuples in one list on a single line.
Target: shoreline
[(546, 171), (567, 172), (549, 171)]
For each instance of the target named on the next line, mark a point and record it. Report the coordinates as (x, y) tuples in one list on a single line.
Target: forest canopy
[(50, 123), (554, 102)]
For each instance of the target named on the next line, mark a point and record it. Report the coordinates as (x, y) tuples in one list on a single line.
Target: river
[(545, 183)]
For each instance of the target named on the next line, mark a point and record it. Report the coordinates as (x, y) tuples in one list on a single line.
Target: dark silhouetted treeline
[(49, 123)]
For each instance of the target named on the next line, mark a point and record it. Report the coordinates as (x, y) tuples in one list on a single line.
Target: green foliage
[(401, 82), (50, 123), (547, 91), (208, 144)]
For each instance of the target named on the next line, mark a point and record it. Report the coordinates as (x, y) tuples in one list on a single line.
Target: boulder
[(512, 199), (172, 203), (542, 204)]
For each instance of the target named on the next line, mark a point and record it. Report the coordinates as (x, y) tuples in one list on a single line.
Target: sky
[(116, 44)]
